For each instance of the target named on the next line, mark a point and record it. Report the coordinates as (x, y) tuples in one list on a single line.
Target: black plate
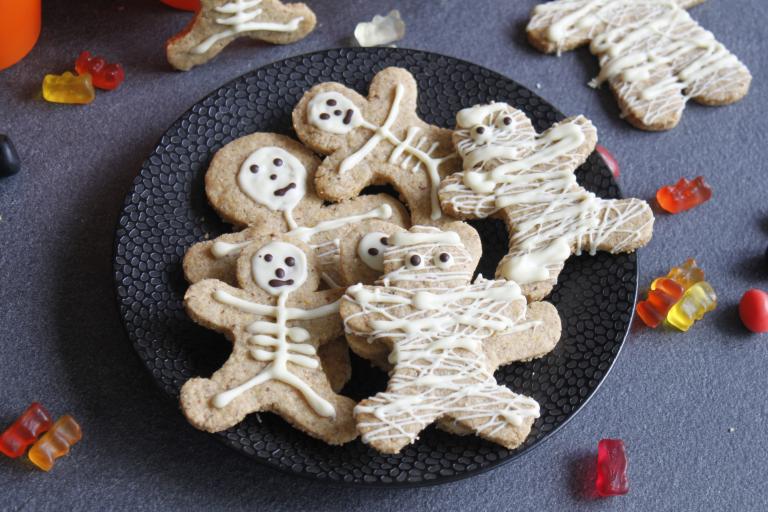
[(165, 212)]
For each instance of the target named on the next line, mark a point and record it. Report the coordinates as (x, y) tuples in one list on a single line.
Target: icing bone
[(277, 322), (446, 337), (527, 179), (652, 53), (374, 141), (219, 22), (265, 181)]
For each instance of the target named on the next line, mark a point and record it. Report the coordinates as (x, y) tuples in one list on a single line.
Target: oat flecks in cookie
[(376, 140), (219, 22), (527, 180), (652, 53), (276, 321), (266, 181), (446, 337)]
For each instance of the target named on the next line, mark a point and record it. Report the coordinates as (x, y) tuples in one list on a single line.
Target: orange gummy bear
[(660, 300), (56, 443)]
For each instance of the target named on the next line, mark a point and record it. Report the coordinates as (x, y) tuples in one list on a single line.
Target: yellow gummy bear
[(697, 300), (68, 88)]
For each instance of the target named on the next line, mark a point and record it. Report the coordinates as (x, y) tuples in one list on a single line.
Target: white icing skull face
[(371, 249), (427, 256), (279, 267), (333, 112), (274, 178), (488, 132)]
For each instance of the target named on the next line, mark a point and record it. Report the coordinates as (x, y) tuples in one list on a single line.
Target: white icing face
[(279, 267), (274, 178), (333, 112), (429, 256), (488, 132), (371, 249)]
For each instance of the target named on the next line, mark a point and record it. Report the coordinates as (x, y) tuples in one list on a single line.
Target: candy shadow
[(726, 321), (582, 470)]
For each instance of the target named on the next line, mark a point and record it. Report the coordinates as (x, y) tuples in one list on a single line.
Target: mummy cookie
[(276, 322), (266, 181), (378, 140), (652, 53), (219, 22), (527, 179), (446, 338)]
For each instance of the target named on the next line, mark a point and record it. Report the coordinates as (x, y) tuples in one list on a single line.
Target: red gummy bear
[(684, 195), (660, 300), (753, 310), (611, 468), (25, 431), (609, 160), (105, 76)]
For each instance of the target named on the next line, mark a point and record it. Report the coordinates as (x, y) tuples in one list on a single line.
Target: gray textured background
[(672, 397)]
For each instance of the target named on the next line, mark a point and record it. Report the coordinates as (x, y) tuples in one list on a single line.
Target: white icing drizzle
[(421, 151), (305, 234), (653, 53), (274, 341), (533, 179), (440, 369), (242, 18)]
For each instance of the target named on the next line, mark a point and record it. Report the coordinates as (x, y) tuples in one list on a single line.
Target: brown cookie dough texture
[(527, 180), (219, 22), (652, 53), (445, 338), (376, 140), (276, 321)]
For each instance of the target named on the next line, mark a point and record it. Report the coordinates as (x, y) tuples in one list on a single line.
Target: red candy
[(684, 195), (25, 431), (609, 160), (105, 76), (753, 310), (611, 468), (665, 294)]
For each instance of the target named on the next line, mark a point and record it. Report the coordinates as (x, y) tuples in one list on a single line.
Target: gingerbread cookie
[(266, 181), (219, 22), (446, 337), (527, 179), (373, 141), (652, 53), (276, 322)]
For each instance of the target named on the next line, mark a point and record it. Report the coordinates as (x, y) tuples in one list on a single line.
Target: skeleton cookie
[(265, 181), (446, 337), (276, 321), (527, 179), (653, 55), (376, 140), (219, 22)]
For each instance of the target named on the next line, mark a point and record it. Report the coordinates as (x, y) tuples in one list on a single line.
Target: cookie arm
[(202, 306), (535, 336)]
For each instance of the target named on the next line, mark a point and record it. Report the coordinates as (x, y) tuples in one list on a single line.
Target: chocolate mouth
[(348, 116), (277, 283), (282, 191)]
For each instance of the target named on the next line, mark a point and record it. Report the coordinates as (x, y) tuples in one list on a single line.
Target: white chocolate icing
[(653, 53), (305, 234), (279, 267), (274, 341), (533, 177), (405, 151), (440, 369), (333, 112), (241, 18)]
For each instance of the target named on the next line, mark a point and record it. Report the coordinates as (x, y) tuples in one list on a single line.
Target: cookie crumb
[(731, 430), (538, 85)]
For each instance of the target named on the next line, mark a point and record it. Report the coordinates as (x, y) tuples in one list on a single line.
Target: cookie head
[(333, 112), (273, 177), (279, 267), (371, 249), (487, 132)]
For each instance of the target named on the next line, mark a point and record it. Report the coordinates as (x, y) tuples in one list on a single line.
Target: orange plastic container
[(19, 29), (187, 5)]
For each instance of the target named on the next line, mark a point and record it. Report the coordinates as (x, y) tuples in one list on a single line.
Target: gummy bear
[(697, 300), (56, 443), (609, 160), (687, 274), (684, 195), (9, 158), (25, 430), (68, 88), (662, 296), (611, 468), (753, 310), (104, 76)]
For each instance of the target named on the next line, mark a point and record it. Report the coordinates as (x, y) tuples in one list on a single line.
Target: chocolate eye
[(507, 120), (254, 169), (290, 261), (331, 103), (277, 162), (337, 112), (280, 273), (384, 240), (273, 176), (414, 260), (443, 260), (325, 116), (267, 258), (480, 130), (373, 251)]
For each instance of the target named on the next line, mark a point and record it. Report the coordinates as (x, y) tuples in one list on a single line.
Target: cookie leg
[(389, 422), (624, 226), (334, 356)]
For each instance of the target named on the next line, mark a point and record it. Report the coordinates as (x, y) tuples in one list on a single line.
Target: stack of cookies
[(314, 268)]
